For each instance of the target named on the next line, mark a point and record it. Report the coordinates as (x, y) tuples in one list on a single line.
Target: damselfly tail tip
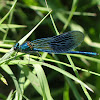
[(93, 53)]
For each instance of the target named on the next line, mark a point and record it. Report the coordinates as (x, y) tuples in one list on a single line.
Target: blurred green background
[(68, 15)]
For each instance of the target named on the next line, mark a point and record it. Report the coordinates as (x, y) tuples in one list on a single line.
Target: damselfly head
[(16, 47)]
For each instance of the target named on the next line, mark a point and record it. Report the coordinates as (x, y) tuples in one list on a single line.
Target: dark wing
[(60, 43)]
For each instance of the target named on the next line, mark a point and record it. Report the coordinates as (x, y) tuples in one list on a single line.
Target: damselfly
[(63, 43)]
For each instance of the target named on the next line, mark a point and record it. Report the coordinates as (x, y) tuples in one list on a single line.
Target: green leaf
[(11, 26)]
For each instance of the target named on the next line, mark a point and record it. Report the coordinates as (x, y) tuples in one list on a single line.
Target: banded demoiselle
[(63, 43)]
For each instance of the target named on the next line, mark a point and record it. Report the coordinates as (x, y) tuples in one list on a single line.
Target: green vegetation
[(58, 77)]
